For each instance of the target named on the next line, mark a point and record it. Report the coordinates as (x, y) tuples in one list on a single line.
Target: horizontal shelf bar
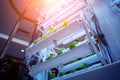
[(70, 30), (89, 60), (77, 52), (78, 72), (106, 72)]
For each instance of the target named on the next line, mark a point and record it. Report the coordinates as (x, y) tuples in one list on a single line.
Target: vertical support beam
[(93, 45), (34, 34), (13, 32)]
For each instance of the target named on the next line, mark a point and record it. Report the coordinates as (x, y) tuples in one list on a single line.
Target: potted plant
[(75, 43), (85, 65)]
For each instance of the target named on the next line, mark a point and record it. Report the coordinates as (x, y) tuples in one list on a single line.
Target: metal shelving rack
[(82, 50)]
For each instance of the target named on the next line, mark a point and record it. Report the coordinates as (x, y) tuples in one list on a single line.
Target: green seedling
[(81, 66), (84, 65), (75, 43), (35, 41), (59, 52), (86, 38), (44, 36), (62, 73), (71, 45), (52, 76), (72, 71), (50, 57), (52, 29), (62, 48)]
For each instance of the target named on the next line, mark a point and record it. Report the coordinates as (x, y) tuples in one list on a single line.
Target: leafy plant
[(73, 44), (59, 52), (81, 66), (84, 65), (52, 76), (62, 48), (65, 22), (50, 57), (36, 41), (44, 36), (52, 29), (86, 38), (72, 71), (62, 73)]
